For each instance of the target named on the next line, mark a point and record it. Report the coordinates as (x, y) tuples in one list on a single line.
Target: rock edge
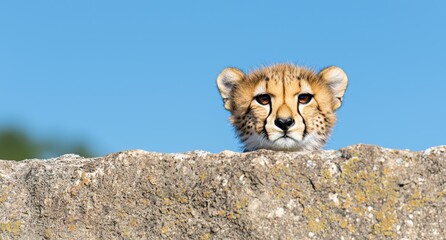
[(360, 192)]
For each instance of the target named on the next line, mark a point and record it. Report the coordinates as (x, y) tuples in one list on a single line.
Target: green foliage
[(15, 144)]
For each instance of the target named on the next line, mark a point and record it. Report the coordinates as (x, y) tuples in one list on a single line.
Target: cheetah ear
[(226, 81), (337, 80)]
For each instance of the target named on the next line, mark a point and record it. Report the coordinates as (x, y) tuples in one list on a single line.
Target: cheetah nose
[(284, 124)]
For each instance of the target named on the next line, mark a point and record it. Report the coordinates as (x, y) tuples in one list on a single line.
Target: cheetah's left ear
[(226, 81), (337, 80)]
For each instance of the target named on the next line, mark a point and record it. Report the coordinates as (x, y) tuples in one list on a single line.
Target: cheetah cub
[(283, 107)]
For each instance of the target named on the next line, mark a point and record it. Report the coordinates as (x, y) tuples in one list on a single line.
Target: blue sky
[(141, 74)]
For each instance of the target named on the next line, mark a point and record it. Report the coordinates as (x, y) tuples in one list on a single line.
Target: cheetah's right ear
[(226, 81)]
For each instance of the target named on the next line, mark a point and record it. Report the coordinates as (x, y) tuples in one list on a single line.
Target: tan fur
[(255, 123)]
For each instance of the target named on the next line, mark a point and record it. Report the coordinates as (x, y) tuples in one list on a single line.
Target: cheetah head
[(283, 107)]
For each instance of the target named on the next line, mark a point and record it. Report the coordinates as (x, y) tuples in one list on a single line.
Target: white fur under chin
[(310, 142)]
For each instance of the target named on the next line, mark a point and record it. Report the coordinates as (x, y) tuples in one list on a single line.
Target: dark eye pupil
[(305, 98), (263, 99)]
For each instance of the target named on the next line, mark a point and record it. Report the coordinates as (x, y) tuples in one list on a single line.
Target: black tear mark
[(266, 119), (305, 124)]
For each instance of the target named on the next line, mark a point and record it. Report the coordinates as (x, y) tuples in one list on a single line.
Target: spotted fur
[(257, 124)]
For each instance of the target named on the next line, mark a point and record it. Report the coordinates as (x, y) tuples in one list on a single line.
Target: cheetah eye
[(263, 99), (305, 98)]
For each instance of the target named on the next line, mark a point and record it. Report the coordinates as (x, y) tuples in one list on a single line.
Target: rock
[(358, 192)]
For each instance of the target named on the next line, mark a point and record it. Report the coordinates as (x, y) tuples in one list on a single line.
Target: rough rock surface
[(357, 192)]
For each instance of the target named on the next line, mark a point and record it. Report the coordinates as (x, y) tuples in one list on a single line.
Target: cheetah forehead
[(274, 79), (284, 89), (281, 72), (280, 80)]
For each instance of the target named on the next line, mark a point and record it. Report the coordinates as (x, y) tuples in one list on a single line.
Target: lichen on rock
[(361, 192)]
